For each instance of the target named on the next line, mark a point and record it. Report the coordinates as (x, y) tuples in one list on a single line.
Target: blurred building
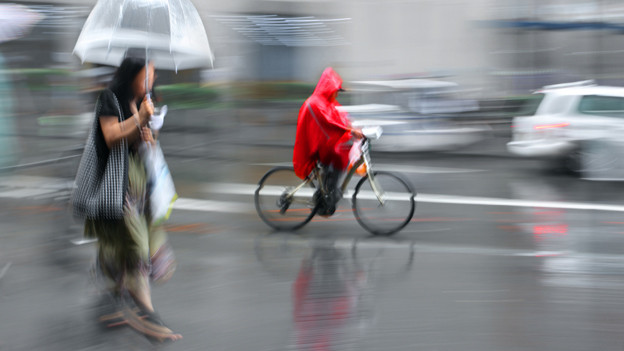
[(548, 42), (498, 46)]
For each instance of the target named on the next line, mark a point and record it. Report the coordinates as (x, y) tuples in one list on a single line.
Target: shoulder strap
[(121, 117)]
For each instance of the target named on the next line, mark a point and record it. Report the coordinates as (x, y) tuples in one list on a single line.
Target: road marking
[(25, 193), (40, 187), (249, 189), (213, 206), (24, 181), (394, 168), (485, 201), (422, 170), (18, 187), (488, 301), (542, 254), (474, 291)]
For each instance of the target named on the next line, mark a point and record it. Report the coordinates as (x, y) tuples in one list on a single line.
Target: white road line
[(542, 254), (488, 301), (249, 189), (213, 206), (18, 187), (23, 181), (423, 170), (230, 188), (21, 193), (39, 187), (474, 291), (486, 201)]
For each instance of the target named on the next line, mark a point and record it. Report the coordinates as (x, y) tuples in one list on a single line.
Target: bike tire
[(271, 190), (391, 217)]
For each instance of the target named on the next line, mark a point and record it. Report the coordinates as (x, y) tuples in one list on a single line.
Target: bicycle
[(383, 202)]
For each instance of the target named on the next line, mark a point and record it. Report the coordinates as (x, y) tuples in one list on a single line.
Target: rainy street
[(506, 117), (502, 254)]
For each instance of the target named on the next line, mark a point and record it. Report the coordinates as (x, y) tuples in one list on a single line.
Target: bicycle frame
[(364, 159), (291, 193)]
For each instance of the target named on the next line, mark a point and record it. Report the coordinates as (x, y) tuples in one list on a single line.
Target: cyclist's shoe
[(319, 199), (325, 210), (327, 204)]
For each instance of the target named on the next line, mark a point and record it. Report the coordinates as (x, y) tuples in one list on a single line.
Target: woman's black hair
[(121, 84)]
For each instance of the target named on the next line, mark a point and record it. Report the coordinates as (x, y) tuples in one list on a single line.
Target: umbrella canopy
[(170, 31), (16, 20)]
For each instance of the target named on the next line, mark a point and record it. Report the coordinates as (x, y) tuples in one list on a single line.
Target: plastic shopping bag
[(158, 119), (356, 151), (162, 193)]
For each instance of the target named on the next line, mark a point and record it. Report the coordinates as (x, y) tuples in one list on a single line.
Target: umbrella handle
[(147, 91)]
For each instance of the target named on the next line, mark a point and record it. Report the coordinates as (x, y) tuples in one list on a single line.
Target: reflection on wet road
[(461, 276), (334, 288)]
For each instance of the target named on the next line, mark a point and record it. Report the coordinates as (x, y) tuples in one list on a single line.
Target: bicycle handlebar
[(372, 132)]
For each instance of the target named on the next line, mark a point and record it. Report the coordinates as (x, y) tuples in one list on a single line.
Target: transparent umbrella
[(170, 31)]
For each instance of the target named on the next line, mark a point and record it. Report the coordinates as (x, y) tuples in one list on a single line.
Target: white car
[(405, 134), (417, 115), (577, 123)]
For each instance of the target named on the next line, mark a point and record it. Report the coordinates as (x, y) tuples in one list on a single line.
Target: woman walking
[(132, 251)]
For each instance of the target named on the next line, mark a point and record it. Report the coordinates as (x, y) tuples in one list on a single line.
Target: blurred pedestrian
[(324, 134), (132, 251)]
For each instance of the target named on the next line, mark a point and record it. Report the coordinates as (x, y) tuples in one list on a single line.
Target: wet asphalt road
[(477, 272)]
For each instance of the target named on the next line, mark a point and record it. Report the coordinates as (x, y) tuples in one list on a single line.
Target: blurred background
[(512, 247), (476, 62)]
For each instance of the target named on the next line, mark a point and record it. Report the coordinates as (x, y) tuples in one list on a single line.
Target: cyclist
[(324, 134)]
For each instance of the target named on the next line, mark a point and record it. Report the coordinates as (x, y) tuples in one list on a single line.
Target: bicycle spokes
[(383, 203), (284, 201)]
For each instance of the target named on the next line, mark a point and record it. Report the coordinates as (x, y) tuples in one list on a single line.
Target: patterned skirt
[(132, 250)]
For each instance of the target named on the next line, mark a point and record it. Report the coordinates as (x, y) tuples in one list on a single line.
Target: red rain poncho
[(323, 132)]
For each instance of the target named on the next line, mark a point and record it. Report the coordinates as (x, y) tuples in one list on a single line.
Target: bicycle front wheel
[(283, 200), (385, 207)]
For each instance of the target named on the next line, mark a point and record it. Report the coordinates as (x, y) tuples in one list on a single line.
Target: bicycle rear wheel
[(280, 204), (397, 208)]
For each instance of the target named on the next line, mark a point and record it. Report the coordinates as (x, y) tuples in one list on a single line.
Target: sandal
[(114, 316), (117, 319), (150, 325)]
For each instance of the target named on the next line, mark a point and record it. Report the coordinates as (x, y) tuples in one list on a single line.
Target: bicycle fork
[(366, 160)]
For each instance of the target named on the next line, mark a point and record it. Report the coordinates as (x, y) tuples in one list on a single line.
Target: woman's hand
[(146, 111), (147, 136)]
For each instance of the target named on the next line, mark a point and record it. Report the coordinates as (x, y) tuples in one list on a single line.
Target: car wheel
[(572, 163), (594, 159)]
